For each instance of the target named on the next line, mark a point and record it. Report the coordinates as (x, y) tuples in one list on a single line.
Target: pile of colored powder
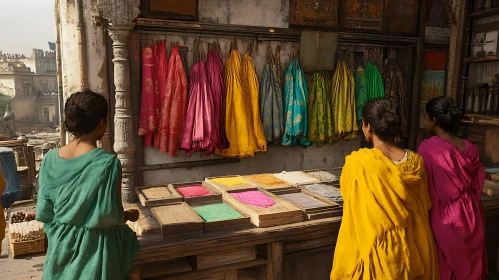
[(325, 176), (193, 191), (331, 193), (229, 181), (266, 180), (296, 177), (255, 198), (157, 192), (217, 212)]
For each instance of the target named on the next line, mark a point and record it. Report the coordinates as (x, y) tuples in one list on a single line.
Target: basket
[(22, 248)]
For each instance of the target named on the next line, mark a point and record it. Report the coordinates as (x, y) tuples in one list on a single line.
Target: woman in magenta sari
[(455, 180)]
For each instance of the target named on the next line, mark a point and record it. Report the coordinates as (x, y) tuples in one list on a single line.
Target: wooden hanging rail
[(485, 13), (214, 30)]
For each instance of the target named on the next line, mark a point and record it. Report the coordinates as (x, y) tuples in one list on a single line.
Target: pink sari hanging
[(174, 107), (215, 79), (149, 111), (161, 75), (198, 130)]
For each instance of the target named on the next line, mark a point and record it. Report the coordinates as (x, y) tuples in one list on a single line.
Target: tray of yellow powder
[(220, 216), (196, 192), (157, 195), (269, 182), (229, 183)]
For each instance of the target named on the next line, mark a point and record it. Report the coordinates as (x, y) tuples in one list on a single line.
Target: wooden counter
[(300, 251)]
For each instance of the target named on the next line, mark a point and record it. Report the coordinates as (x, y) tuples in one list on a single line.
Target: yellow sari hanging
[(344, 109), (385, 232)]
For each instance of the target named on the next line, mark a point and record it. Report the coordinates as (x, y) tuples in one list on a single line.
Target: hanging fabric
[(344, 109), (320, 118), (215, 79), (394, 84), (360, 87), (250, 87), (241, 102), (374, 82), (161, 75), (198, 130), (174, 107), (295, 105), (149, 107), (271, 101)]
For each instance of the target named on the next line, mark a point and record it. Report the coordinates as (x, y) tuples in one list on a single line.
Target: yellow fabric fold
[(385, 231)]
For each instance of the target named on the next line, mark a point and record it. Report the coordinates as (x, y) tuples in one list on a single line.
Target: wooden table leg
[(135, 274), (274, 258)]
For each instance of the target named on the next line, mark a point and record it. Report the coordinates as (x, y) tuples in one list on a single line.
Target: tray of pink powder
[(196, 192), (255, 198)]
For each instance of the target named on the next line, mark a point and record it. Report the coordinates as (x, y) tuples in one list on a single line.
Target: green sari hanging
[(360, 93), (295, 106), (374, 82), (321, 127)]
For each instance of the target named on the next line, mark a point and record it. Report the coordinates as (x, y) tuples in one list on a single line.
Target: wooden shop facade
[(278, 208)]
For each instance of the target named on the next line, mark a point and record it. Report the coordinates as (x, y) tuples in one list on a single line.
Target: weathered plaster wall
[(96, 59), (276, 159), (7, 85), (271, 13)]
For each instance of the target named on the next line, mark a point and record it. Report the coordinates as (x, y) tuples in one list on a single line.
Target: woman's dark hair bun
[(444, 112), (84, 111), (384, 119)]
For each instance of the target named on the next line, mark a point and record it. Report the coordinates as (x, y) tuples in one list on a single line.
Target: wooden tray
[(491, 188), (330, 209), (222, 225), (281, 213), (173, 196), (178, 220), (272, 189), (223, 188), (313, 180), (216, 194)]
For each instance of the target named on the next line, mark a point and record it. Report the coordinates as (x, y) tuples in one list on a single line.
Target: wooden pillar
[(120, 16), (274, 258)]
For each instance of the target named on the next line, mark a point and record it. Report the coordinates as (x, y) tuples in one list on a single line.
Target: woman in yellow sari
[(385, 232)]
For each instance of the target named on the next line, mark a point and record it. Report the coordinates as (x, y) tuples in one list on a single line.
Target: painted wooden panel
[(363, 14), (402, 16), (314, 13)]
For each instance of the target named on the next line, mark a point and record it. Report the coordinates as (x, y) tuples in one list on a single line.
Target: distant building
[(32, 84)]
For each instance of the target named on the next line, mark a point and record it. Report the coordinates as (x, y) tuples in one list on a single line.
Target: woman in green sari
[(80, 203)]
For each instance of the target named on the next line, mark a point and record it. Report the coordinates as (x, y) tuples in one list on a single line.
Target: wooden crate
[(172, 197), (312, 180), (23, 248), (171, 267), (272, 189), (220, 258), (178, 220), (216, 194), (330, 209), (281, 213), (224, 188), (223, 225)]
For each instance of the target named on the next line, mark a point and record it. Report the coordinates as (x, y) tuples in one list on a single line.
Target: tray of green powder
[(157, 195), (220, 216), (192, 192)]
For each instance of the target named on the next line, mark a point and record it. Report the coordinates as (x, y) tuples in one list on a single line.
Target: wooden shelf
[(485, 13), (489, 58), (481, 119)]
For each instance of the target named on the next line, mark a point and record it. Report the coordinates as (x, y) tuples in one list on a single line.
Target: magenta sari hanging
[(149, 111), (215, 76)]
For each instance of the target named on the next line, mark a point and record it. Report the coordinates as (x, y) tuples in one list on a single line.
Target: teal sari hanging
[(295, 106)]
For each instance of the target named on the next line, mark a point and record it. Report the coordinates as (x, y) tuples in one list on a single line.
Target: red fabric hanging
[(174, 107), (162, 73), (149, 111)]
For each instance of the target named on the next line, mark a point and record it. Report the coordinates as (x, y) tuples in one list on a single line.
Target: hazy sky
[(26, 24)]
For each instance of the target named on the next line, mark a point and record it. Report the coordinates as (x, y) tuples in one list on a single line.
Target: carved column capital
[(119, 13)]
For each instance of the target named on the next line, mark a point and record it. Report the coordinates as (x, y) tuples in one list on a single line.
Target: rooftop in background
[(41, 62)]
